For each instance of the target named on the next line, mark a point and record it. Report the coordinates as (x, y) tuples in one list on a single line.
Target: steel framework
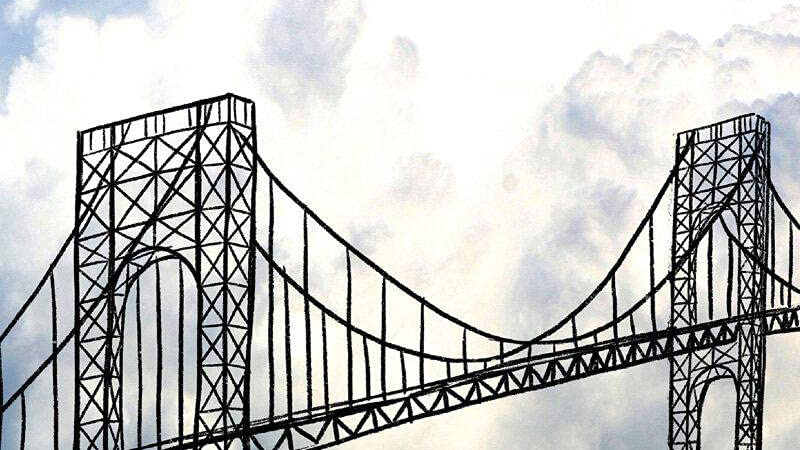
[(178, 183), (730, 157), (331, 363)]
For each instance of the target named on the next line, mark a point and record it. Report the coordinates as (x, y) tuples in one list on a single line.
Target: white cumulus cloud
[(18, 10), (499, 188)]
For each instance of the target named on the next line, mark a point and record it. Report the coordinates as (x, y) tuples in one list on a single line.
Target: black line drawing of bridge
[(277, 333)]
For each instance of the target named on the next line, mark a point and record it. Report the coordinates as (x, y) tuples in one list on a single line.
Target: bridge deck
[(324, 427)]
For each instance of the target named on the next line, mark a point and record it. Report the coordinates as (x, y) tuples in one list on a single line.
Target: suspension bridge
[(171, 318)]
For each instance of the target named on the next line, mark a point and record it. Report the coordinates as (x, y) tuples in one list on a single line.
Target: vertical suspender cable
[(159, 355), (307, 310), (325, 364), (652, 274), (791, 264), (403, 378), (367, 373), (710, 268), (24, 416), (614, 304), (271, 306), (287, 346), (2, 396), (421, 343), (54, 319), (139, 372), (181, 327), (464, 349), (349, 331), (729, 292), (772, 250), (383, 337)]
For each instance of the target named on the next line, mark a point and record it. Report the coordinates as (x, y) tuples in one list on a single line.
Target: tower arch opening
[(718, 414)]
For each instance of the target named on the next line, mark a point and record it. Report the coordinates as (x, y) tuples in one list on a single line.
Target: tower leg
[(750, 392), (684, 411), (722, 168), (691, 375)]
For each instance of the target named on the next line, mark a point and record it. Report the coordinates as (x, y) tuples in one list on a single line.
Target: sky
[(494, 158)]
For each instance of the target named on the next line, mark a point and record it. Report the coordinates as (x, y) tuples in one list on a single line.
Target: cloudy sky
[(494, 158)]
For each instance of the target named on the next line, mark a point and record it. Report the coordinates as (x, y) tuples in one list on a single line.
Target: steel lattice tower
[(713, 161), (178, 183)]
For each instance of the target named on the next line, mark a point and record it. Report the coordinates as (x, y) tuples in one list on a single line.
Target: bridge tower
[(180, 184), (724, 161)]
